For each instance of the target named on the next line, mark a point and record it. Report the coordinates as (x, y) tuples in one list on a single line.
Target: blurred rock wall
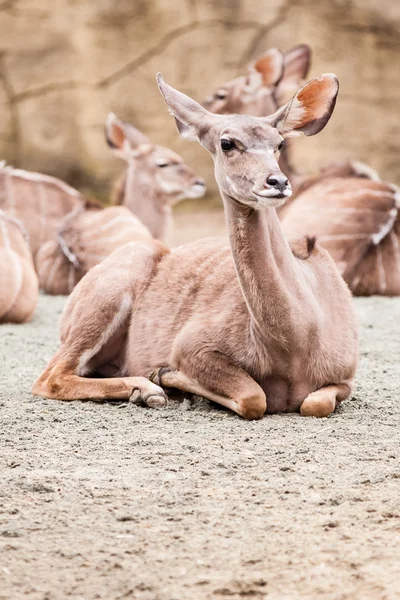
[(64, 64)]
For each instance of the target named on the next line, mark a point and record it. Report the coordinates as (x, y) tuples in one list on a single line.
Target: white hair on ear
[(292, 118)]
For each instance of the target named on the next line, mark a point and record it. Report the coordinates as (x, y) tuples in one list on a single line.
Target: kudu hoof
[(150, 399)]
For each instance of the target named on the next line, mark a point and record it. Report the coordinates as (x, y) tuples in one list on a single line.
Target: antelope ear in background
[(123, 138), (271, 66), (297, 63)]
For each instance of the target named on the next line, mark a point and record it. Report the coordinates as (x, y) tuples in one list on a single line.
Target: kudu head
[(270, 80), (246, 149), (161, 169), (253, 93)]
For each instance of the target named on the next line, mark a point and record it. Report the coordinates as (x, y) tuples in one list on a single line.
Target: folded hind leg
[(213, 376), (93, 331)]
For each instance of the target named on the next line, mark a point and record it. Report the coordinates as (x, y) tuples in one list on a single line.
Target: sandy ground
[(111, 501)]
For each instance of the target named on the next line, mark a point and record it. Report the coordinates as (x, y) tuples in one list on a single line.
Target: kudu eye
[(281, 146), (227, 145), (162, 165), (220, 95)]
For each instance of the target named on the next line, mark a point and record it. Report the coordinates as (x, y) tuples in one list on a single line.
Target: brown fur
[(246, 324), (18, 281)]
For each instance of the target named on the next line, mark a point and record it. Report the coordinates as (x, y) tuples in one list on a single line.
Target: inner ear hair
[(114, 132), (311, 107), (270, 65)]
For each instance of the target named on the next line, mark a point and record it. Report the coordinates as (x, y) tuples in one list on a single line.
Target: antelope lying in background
[(39, 201), (84, 240), (18, 281), (258, 325), (155, 179), (353, 213)]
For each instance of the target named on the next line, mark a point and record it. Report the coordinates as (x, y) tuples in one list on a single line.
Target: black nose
[(200, 181), (280, 182)]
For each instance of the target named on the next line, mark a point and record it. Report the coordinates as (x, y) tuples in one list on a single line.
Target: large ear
[(191, 118), (310, 108), (270, 65), (297, 63), (122, 137)]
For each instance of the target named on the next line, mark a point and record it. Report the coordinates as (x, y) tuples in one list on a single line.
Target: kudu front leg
[(323, 402), (216, 378), (60, 382), (93, 332)]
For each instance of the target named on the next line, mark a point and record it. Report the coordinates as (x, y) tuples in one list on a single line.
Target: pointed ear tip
[(331, 76), (304, 47), (111, 118), (160, 78)]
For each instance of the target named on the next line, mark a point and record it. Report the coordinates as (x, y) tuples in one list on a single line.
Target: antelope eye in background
[(281, 146)]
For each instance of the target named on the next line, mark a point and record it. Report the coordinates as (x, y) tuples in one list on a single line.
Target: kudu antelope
[(18, 281), (255, 325), (353, 213), (84, 239), (156, 178), (39, 201)]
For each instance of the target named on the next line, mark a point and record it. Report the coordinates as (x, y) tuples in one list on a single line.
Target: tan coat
[(18, 280)]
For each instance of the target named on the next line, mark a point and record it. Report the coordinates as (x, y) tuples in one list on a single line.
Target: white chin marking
[(272, 194), (196, 191)]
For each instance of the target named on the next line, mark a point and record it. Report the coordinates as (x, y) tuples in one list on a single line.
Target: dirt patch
[(110, 501)]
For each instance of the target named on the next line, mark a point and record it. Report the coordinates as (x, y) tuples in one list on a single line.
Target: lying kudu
[(84, 239), (39, 201), (353, 213), (18, 281), (155, 179), (258, 325)]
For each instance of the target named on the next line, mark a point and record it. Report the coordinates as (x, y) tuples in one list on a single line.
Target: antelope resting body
[(18, 280), (352, 212), (256, 324), (70, 234)]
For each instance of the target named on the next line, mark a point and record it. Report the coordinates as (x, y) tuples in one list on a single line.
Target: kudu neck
[(264, 264), (146, 201)]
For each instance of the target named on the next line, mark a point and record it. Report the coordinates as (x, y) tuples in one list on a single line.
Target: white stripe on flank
[(338, 211), (344, 236), (116, 321), (386, 227), (39, 177), (362, 191), (106, 240), (115, 221), (57, 263), (362, 169)]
